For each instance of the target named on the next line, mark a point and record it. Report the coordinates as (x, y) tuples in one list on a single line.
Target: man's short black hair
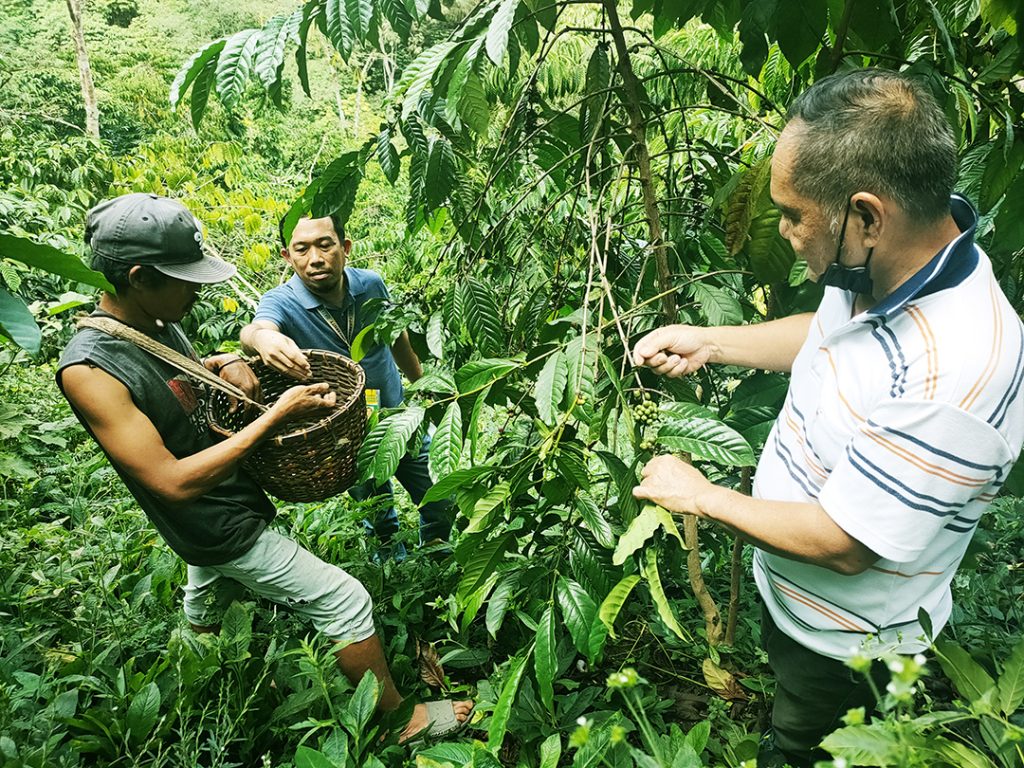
[(117, 272), (339, 228), (877, 131)]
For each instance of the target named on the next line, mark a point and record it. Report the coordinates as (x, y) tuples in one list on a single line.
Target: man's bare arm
[(264, 338), (133, 443), (677, 350)]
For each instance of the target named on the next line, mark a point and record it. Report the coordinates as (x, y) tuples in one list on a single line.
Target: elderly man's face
[(804, 223)]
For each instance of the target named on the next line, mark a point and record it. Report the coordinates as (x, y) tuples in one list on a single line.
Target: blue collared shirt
[(295, 311)]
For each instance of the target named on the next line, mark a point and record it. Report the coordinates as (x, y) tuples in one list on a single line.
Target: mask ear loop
[(842, 234)]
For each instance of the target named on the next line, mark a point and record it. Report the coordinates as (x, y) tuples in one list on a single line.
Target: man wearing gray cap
[(147, 417)]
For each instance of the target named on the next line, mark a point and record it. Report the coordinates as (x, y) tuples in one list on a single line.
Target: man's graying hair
[(872, 130)]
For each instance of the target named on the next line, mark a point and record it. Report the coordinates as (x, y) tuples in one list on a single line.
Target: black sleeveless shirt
[(224, 523)]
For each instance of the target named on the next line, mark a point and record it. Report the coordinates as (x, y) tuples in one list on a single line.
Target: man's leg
[(414, 475), (207, 596), (812, 693)]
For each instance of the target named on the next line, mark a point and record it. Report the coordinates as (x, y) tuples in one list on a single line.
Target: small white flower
[(581, 721), (920, 660), (891, 687), (839, 762), (896, 666)]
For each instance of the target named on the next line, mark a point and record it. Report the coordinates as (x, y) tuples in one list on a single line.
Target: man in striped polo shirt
[(904, 413)]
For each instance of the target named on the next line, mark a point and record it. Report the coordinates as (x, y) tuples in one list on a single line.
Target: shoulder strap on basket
[(116, 328)]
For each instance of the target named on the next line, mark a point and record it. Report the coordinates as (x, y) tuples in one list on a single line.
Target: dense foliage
[(542, 183)]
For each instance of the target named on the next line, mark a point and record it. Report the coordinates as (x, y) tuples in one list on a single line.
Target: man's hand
[(234, 370), (672, 483), (674, 350), (303, 400), (281, 353)]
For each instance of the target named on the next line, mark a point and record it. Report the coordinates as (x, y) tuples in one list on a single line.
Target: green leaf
[(545, 658), (644, 525), (364, 701), (360, 14), (771, 255), (595, 520), (446, 445), (310, 11), (1009, 225), (503, 709), (659, 596), (598, 79), (17, 323), (358, 349), (707, 439), (419, 73), (864, 745), (612, 604), (1001, 168), (1011, 682), (334, 190), (625, 481), (950, 752), (719, 305), (448, 484), (482, 562), (800, 28), (746, 201), (398, 17), (579, 612), (549, 390), (484, 508), (387, 156), (270, 45), (386, 444), (311, 758), (235, 65), (550, 751), (201, 89), (477, 374), (497, 606), (143, 713), (473, 107), (52, 260), (483, 319), (339, 27), (199, 61), (497, 32), (969, 677), (451, 753), (236, 633)]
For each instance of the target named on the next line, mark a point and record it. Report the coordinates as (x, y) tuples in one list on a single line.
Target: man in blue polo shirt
[(904, 413), (324, 305)]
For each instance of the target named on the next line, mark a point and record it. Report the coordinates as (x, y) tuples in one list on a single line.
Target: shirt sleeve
[(272, 309), (909, 470)]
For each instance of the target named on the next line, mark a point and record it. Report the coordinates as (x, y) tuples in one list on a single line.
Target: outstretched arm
[(406, 358), (133, 443), (264, 338), (677, 350)]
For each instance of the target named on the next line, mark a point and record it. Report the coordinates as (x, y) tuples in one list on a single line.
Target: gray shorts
[(278, 569)]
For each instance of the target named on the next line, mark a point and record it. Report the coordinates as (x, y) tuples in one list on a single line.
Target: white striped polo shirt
[(903, 423)]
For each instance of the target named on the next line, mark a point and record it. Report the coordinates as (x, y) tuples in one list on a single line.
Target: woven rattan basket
[(313, 460)]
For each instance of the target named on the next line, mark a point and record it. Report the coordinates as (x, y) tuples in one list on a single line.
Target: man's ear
[(137, 278), (347, 246), (870, 212), (286, 256)]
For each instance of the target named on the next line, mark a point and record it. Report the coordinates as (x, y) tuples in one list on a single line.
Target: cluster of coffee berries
[(646, 412)]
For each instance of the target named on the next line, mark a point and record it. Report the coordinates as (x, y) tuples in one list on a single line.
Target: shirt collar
[(948, 268), (309, 300)]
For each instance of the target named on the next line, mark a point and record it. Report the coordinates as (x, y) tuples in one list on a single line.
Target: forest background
[(540, 183)]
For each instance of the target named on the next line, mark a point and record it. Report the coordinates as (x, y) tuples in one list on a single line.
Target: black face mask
[(856, 279)]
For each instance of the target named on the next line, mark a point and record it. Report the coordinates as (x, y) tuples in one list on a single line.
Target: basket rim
[(340, 410)]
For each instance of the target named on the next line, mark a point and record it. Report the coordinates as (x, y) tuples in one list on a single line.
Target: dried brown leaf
[(722, 682), (431, 671)]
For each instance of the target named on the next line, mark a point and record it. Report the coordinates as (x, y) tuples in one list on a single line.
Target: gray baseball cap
[(154, 231)]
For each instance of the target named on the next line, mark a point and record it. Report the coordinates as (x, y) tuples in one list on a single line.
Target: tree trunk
[(92, 112)]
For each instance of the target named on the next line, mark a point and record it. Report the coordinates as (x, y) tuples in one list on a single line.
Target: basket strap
[(116, 328)]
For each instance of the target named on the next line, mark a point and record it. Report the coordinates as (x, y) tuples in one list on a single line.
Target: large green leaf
[(1011, 682), (473, 106), (550, 751), (339, 27), (483, 510), (52, 260), (800, 28), (334, 190), (497, 32), (549, 390), (190, 71), (482, 562), (143, 713), (746, 201), (235, 65), (310, 11), (497, 606), (624, 480), (545, 658), (1009, 231), (477, 374), (398, 17), (417, 75), (595, 520), (969, 677), (503, 709), (446, 445), (483, 319), (644, 525), (387, 155), (363, 702), (448, 484), (771, 255), (865, 745), (579, 612), (719, 305), (360, 14), (386, 444), (270, 45), (612, 604), (311, 758), (707, 439), (202, 87), (598, 79), (658, 594), (1001, 168), (17, 323)]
